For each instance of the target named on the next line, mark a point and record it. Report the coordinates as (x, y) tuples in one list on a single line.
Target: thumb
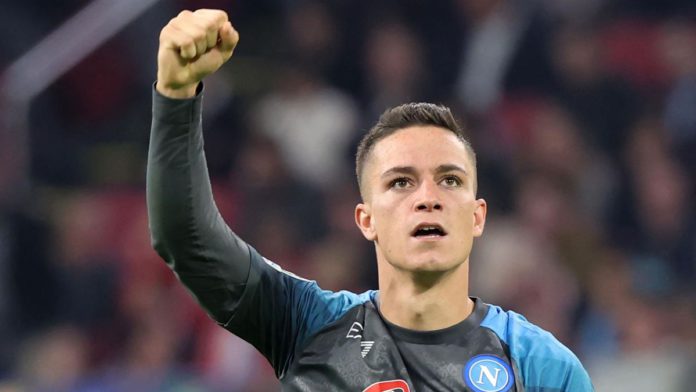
[(229, 37)]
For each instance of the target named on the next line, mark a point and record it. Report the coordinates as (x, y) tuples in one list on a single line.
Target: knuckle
[(185, 13), (220, 16), (165, 34), (212, 16), (187, 43), (200, 36), (170, 25)]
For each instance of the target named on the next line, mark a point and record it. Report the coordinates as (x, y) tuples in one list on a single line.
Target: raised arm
[(186, 228), (273, 310)]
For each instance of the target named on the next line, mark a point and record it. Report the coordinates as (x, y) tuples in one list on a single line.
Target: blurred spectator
[(313, 38), (150, 361), (679, 51), (283, 212), (631, 50), (560, 148), (515, 267), (394, 68), (312, 124), (344, 245), (630, 344), (658, 223), (84, 263), (55, 361), (603, 104), (29, 283), (505, 50), (659, 369), (230, 364)]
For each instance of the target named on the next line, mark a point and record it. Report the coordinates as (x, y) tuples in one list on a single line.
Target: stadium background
[(583, 114)]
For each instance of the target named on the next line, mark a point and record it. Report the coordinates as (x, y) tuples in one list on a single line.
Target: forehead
[(422, 147)]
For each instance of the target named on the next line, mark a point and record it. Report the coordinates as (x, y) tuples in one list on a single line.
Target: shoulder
[(524, 337), (332, 305), (543, 362), (318, 307)]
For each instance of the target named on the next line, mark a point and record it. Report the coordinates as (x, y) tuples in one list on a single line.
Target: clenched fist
[(192, 46)]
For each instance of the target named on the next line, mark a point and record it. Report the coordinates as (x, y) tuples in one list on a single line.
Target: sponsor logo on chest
[(388, 386)]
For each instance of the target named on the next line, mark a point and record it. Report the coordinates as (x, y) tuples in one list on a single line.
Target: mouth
[(428, 231)]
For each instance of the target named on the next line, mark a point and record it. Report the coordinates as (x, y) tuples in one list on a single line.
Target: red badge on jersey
[(388, 386)]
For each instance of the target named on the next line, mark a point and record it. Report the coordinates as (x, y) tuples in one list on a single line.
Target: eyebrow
[(450, 167), (444, 168)]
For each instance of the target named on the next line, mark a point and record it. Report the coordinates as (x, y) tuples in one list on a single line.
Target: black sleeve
[(250, 296), (186, 228)]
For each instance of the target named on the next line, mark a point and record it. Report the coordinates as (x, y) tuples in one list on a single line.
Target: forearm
[(186, 228)]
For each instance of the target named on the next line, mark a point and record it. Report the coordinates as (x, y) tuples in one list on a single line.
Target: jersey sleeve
[(279, 312), (186, 228), (544, 363), (273, 310)]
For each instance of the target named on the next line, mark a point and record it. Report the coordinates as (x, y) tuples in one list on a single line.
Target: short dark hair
[(404, 116)]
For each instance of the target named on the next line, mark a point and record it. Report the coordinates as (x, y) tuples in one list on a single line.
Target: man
[(417, 177)]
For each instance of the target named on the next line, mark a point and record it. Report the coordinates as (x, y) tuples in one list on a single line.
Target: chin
[(430, 264)]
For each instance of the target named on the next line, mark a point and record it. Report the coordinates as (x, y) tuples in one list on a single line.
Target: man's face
[(420, 207)]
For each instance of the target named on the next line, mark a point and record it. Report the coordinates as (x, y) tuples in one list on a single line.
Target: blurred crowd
[(582, 113)]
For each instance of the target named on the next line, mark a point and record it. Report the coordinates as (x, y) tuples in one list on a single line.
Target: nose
[(427, 198)]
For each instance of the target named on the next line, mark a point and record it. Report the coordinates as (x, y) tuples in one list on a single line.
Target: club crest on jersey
[(488, 373), (388, 386)]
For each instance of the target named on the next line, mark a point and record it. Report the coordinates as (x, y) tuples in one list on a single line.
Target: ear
[(363, 218), (479, 217)]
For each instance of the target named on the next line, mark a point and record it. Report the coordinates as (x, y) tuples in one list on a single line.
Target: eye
[(452, 181), (399, 183)]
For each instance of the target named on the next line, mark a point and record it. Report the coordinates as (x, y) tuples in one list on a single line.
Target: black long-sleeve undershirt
[(186, 228)]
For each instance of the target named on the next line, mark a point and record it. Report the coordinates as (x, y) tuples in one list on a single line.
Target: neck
[(424, 301)]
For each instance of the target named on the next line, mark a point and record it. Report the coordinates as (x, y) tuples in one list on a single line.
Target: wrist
[(177, 93)]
